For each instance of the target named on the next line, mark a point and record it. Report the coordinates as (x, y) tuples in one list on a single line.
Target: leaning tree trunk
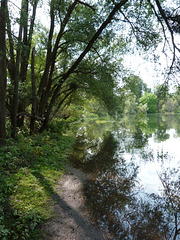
[(3, 9), (76, 63)]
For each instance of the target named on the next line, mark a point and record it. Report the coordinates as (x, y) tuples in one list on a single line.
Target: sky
[(148, 71), (152, 73)]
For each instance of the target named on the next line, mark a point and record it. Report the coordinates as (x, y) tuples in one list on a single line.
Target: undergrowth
[(29, 169)]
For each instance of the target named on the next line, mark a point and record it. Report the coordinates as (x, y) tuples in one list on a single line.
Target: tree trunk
[(14, 102), (25, 54), (24, 59), (33, 84), (46, 81), (3, 9)]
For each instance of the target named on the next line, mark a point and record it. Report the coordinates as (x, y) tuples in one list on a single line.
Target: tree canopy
[(150, 99), (79, 52)]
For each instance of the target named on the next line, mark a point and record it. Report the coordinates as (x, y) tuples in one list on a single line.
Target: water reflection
[(134, 190)]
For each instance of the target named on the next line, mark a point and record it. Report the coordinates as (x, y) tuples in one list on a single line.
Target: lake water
[(134, 186)]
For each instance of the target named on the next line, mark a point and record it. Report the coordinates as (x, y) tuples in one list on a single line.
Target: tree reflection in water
[(171, 195), (114, 193)]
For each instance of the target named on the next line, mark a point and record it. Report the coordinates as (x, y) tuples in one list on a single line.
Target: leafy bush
[(150, 99)]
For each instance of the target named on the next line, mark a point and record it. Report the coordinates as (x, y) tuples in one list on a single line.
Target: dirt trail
[(72, 220)]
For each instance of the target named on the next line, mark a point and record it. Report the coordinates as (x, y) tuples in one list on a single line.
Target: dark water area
[(134, 168)]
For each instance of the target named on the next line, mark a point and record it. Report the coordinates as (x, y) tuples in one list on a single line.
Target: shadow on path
[(70, 221)]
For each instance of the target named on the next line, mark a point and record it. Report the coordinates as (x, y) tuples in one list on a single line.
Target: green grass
[(29, 170)]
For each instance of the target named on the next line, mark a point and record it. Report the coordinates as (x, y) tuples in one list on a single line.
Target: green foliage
[(29, 169), (135, 85), (143, 27), (130, 105), (83, 26), (130, 93), (74, 55), (169, 106), (93, 108), (142, 108), (151, 100), (141, 117)]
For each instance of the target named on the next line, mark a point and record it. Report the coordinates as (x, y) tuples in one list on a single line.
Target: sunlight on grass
[(29, 194)]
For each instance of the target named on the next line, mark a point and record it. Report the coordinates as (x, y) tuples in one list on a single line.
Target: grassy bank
[(29, 169)]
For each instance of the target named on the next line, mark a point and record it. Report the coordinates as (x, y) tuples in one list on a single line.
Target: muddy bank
[(72, 221)]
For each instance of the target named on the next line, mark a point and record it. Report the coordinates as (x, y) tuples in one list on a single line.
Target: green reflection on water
[(116, 156)]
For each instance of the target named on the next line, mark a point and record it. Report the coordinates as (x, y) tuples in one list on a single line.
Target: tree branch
[(29, 115), (171, 32), (60, 104), (94, 38), (87, 5), (116, 8)]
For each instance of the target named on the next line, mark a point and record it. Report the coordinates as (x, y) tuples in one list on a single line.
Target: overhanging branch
[(171, 33), (29, 115), (87, 5)]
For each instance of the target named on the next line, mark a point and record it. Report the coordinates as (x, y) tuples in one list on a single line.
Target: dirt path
[(72, 220)]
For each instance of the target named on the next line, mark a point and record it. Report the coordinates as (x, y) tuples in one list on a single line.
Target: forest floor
[(72, 220)]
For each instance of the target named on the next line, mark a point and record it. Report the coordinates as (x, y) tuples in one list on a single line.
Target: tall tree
[(3, 14), (48, 100), (19, 49), (135, 85), (79, 33)]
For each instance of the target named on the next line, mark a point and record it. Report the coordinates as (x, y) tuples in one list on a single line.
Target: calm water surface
[(134, 188)]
